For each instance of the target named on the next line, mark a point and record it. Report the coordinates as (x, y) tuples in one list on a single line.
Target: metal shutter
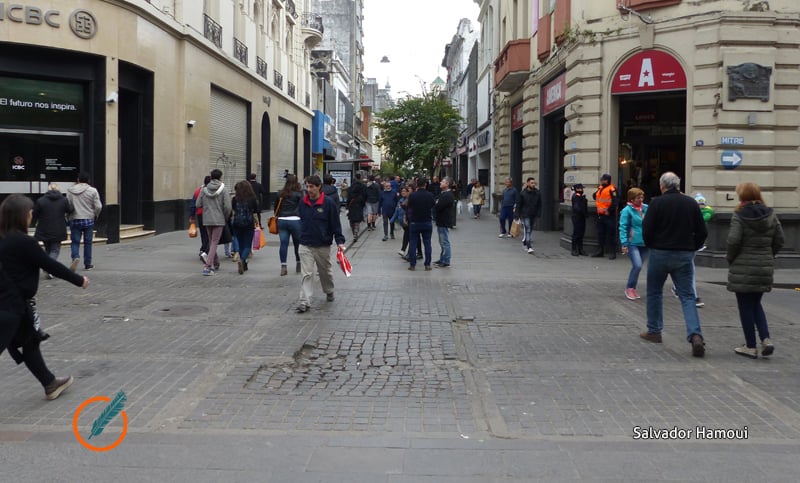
[(228, 142), (286, 141)]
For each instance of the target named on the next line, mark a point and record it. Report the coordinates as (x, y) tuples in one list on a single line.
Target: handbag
[(272, 223), (192, 230), (515, 228), (227, 236)]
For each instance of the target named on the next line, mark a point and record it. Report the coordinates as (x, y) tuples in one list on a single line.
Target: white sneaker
[(204, 257), (530, 250), (501, 235)]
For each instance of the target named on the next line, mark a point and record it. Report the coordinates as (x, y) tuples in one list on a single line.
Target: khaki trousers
[(308, 257)]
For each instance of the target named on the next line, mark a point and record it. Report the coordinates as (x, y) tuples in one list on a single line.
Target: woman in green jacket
[(754, 239)]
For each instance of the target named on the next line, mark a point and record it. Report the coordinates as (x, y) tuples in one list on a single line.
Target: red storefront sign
[(649, 71), (554, 94), (516, 117)]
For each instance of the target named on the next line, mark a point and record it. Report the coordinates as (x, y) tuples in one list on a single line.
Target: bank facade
[(706, 90), (148, 97)]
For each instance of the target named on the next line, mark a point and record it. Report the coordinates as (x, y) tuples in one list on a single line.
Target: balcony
[(308, 99), (212, 30), (240, 51), (512, 67), (261, 67), (312, 29), (290, 89), (277, 79)]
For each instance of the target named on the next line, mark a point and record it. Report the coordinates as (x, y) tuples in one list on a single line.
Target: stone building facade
[(705, 89), (148, 96)]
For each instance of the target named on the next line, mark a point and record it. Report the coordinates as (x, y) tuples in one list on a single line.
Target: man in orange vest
[(606, 199)]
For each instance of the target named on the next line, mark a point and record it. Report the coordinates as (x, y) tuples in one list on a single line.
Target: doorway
[(135, 157), (266, 160), (552, 170), (652, 140)]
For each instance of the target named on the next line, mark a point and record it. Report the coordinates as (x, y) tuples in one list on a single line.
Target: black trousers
[(606, 233), (578, 228), (30, 355)]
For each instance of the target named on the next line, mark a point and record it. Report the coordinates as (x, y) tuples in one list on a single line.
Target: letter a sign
[(649, 71), (646, 74)]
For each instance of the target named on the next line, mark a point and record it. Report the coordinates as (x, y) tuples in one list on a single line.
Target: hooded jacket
[(754, 239), (49, 215), (86, 202), (216, 203)]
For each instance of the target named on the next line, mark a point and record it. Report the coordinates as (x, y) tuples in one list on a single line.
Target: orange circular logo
[(85, 443)]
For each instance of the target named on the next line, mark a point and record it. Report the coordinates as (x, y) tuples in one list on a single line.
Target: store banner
[(649, 71), (554, 94), (28, 103)]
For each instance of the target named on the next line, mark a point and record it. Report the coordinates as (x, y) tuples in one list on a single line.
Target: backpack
[(242, 215)]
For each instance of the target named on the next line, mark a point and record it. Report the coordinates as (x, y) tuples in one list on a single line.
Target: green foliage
[(418, 130)]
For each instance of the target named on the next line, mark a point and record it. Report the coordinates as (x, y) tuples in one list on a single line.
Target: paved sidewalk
[(505, 367)]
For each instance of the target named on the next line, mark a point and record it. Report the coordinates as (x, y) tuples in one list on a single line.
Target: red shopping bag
[(344, 262)]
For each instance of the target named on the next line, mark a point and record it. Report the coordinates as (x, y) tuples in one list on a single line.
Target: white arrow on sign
[(733, 158)]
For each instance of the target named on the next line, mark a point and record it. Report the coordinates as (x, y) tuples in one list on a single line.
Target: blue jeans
[(426, 229), (76, 232), (244, 237), (506, 215), (528, 222), (751, 315), (679, 265), (444, 242), (286, 228), (638, 255)]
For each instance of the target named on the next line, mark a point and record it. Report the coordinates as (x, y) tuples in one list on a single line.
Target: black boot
[(574, 249), (580, 250)]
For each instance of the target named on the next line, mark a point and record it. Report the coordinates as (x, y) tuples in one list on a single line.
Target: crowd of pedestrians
[(666, 234)]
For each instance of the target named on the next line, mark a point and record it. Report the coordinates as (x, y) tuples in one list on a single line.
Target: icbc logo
[(109, 413)]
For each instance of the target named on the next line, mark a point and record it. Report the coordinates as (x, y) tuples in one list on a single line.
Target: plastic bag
[(516, 227), (344, 263), (257, 238), (192, 230)]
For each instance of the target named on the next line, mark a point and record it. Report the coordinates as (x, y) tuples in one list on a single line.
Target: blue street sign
[(731, 159)]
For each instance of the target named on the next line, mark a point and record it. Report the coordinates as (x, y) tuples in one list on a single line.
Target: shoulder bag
[(272, 223)]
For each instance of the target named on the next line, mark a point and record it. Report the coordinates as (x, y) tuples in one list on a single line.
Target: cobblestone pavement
[(504, 367)]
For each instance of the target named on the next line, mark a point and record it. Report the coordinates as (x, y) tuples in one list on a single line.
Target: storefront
[(551, 166), (147, 114)]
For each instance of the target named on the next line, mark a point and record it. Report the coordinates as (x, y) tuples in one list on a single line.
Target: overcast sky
[(412, 34)]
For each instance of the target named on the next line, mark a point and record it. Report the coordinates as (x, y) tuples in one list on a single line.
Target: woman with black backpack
[(244, 209)]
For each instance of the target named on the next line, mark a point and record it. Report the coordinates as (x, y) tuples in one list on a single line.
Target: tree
[(419, 130)]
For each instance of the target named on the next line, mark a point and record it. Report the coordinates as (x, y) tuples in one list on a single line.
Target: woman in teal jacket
[(630, 238)]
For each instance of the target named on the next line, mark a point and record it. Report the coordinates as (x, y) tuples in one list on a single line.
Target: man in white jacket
[(86, 201)]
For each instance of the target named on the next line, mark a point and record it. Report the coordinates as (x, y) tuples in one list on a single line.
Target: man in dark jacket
[(673, 230), (356, 198), (529, 206), (372, 195), (387, 205), (319, 227), (262, 195), (445, 216), (420, 207), (329, 188), (49, 216)]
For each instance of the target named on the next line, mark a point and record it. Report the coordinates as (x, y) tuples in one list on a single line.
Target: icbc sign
[(649, 71)]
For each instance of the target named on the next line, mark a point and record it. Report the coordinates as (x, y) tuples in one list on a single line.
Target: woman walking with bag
[(20, 262), (244, 207), (754, 239), (287, 210), (478, 198)]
